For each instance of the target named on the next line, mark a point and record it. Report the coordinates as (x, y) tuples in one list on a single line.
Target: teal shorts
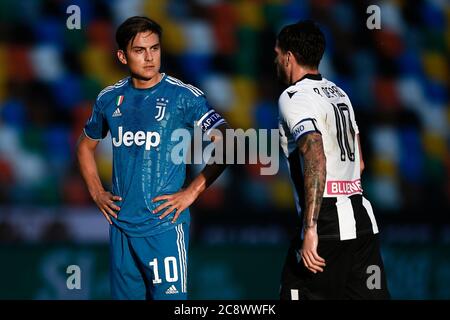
[(149, 268)]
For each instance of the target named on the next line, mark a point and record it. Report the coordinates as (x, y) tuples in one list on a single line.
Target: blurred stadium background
[(397, 78)]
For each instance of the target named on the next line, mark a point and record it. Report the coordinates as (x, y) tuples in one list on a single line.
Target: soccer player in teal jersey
[(147, 209)]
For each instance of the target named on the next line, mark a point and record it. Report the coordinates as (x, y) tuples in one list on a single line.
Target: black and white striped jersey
[(314, 104)]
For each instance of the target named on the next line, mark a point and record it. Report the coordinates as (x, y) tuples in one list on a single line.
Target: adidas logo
[(172, 290), (117, 113)]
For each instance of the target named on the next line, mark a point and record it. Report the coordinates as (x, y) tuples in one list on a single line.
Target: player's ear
[(289, 56), (122, 56)]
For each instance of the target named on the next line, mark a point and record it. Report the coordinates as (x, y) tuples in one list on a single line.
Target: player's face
[(143, 56), (280, 62)]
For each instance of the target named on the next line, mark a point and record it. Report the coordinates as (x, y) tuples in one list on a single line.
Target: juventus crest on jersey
[(314, 104)]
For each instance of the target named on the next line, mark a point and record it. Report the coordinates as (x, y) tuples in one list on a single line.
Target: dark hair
[(128, 30), (305, 40)]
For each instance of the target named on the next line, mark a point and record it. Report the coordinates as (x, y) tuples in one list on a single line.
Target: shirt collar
[(310, 76)]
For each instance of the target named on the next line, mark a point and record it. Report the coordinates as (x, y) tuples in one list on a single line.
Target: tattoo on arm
[(314, 166)]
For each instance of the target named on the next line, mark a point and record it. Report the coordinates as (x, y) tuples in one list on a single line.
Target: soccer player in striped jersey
[(336, 252), (147, 209)]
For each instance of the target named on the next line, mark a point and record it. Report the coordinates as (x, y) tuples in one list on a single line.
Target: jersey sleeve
[(299, 114), (199, 113), (96, 127)]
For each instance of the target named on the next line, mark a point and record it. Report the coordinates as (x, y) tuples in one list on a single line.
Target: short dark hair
[(305, 40), (128, 30)]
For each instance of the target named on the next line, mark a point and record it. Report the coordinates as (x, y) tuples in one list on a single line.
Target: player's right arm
[(96, 128), (88, 168)]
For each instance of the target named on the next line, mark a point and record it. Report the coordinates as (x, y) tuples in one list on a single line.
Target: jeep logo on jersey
[(128, 138)]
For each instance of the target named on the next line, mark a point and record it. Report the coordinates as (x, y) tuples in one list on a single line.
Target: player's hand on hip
[(105, 202), (309, 255), (178, 201)]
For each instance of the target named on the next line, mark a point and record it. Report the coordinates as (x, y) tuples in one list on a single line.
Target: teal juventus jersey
[(141, 122)]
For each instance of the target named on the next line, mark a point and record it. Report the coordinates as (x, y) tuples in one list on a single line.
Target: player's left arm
[(184, 198)]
